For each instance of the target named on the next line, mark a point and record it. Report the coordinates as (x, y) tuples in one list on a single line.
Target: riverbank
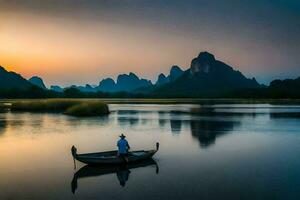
[(72, 107), (166, 100)]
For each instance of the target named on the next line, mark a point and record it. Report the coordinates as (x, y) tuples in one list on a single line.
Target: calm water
[(244, 152)]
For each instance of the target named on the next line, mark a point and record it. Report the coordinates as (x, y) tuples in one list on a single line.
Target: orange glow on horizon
[(66, 51)]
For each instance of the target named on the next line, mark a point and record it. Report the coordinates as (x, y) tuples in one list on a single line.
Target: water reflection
[(123, 175), (125, 117), (161, 119), (283, 115), (3, 125), (175, 126), (122, 172), (261, 150), (206, 131), (18, 121), (77, 122)]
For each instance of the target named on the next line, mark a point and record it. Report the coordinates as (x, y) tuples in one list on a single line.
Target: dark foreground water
[(239, 152)]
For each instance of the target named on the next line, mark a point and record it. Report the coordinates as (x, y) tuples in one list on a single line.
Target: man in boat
[(123, 148)]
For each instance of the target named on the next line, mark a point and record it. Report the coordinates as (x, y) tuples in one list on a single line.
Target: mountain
[(175, 72), (35, 80), (125, 82), (206, 77), (56, 88), (86, 88), (12, 80), (161, 80), (287, 84), (131, 82), (107, 85), (288, 88)]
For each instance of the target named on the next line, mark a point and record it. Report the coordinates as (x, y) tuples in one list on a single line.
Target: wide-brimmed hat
[(122, 136)]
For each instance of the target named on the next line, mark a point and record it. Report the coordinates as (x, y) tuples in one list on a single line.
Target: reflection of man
[(123, 175)]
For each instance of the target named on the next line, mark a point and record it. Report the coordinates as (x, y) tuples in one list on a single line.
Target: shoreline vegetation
[(99, 107), (72, 107), (6, 103), (269, 93), (87, 109)]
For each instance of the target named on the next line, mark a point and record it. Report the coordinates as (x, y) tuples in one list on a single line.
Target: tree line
[(278, 89)]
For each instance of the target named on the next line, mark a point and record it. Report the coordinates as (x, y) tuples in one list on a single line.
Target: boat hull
[(112, 158)]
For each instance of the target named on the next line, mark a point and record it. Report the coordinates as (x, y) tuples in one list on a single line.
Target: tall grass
[(49, 105), (4, 107), (66, 106), (88, 109)]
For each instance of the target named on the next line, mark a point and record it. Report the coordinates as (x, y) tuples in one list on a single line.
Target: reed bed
[(88, 109), (71, 107)]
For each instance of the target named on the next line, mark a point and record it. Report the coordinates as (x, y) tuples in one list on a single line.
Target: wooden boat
[(111, 157)]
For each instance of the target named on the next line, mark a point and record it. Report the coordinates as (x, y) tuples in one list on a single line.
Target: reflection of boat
[(111, 157), (122, 171)]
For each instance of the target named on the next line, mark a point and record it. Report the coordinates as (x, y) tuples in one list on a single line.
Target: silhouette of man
[(123, 148), (123, 175)]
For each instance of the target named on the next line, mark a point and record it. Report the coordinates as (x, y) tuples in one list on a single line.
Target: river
[(242, 151)]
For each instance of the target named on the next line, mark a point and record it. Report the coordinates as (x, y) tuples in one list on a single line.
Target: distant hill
[(161, 80), (175, 72), (35, 80), (206, 77), (56, 88), (107, 85), (125, 82), (288, 88), (131, 82), (278, 89), (86, 88), (12, 80), (286, 84)]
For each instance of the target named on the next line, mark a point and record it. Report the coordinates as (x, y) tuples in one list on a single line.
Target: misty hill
[(161, 80), (86, 88), (278, 89), (131, 82), (56, 88), (107, 85), (35, 80), (175, 72), (288, 88), (12, 80), (206, 77), (125, 82), (287, 84)]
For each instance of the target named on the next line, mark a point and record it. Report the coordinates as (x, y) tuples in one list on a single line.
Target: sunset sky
[(82, 41)]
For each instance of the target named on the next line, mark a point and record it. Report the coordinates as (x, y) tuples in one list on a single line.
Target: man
[(123, 148)]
